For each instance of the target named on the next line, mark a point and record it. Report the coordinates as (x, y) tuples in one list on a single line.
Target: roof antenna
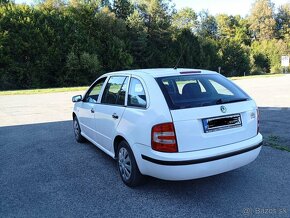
[(175, 67)]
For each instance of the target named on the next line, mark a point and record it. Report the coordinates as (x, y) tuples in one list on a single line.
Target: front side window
[(136, 95), (115, 90), (93, 94), (188, 91)]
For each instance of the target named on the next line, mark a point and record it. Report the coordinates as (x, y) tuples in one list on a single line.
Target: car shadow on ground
[(45, 172), (52, 147)]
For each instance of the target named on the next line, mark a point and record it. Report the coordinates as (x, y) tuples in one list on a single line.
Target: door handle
[(115, 116), (92, 110)]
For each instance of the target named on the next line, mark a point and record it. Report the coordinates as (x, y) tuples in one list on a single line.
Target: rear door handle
[(115, 116), (92, 110)]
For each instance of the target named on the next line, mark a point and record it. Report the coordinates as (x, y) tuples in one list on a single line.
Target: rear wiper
[(221, 101)]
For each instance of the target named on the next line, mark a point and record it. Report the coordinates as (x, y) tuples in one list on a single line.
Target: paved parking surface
[(268, 91), (45, 173), (28, 109)]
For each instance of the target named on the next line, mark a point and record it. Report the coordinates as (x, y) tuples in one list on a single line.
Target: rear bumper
[(197, 164)]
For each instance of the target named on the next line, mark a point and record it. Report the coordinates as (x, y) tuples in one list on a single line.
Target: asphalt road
[(268, 91), (28, 109), (45, 173)]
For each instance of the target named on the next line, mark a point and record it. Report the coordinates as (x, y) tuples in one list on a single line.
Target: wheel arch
[(117, 141)]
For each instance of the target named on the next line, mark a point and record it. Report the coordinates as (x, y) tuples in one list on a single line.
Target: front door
[(87, 109)]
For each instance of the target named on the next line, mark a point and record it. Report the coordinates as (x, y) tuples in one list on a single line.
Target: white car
[(172, 124)]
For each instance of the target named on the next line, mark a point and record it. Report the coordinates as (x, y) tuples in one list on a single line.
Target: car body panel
[(190, 132), (106, 125), (193, 171)]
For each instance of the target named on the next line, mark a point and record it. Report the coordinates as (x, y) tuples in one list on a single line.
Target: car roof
[(162, 72)]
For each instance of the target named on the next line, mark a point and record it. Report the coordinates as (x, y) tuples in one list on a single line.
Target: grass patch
[(282, 148), (256, 76), (273, 141), (43, 91)]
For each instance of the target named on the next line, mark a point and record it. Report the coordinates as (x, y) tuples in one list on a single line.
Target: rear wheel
[(77, 130), (127, 166)]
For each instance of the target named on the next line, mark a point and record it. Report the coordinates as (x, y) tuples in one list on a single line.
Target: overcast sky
[(231, 7)]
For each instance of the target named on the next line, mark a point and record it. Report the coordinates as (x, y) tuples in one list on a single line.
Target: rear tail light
[(258, 121), (163, 138)]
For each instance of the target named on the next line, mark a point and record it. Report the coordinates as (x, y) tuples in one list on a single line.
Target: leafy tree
[(261, 63), (271, 50), (233, 27), (122, 8), (138, 39), (207, 25), (186, 18), (283, 22), (187, 50), (210, 58), (64, 43), (234, 58), (2, 2), (226, 26), (156, 15), (81, 69), (262, 21), (111, 33)]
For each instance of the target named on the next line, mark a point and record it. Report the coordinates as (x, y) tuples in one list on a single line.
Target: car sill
[(202, 160)]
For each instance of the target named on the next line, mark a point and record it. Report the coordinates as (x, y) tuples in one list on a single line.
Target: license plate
[(219, 123)]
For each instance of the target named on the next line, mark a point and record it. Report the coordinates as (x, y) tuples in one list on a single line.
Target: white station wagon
[(172, 124)]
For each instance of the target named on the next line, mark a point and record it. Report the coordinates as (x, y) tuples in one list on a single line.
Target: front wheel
[(77, 130), (127, 166)]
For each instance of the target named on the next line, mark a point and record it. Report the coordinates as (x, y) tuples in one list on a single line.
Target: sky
[(230, 7)]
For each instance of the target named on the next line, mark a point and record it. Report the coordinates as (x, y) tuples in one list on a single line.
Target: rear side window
[(188, 91), (115, 90), (136, 96)]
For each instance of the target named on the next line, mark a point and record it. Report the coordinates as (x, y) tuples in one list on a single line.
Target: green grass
[(273, 141), (42, 91), (256, 76)]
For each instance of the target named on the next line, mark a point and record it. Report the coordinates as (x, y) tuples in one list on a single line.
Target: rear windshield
[(188, 91)]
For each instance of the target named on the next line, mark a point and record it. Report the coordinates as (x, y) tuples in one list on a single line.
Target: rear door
[(110, 110), (209, 111)]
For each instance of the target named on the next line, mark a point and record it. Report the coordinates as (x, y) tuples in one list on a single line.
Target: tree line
[(57, 43)]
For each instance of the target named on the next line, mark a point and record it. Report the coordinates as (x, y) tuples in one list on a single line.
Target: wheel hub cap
[(76, 128), (124, 164)]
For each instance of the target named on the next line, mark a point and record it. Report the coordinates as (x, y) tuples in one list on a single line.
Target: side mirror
[(77, 98)]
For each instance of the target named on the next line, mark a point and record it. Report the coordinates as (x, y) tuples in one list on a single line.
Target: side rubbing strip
[(202, 160)]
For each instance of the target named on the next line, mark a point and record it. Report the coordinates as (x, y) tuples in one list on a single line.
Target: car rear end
[(214, 128)]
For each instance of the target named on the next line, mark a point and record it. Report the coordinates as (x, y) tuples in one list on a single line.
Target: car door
[(110, 110), (86, 113)]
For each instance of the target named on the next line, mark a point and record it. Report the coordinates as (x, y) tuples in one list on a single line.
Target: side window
[(220, 88), (115, 90), (136, 95), (180, 84), (93, 94)]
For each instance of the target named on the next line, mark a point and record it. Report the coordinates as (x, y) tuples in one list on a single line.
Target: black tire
[(134, 177), (77, 131)]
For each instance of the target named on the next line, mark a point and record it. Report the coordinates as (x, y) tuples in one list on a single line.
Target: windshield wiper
[(221, 101)]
